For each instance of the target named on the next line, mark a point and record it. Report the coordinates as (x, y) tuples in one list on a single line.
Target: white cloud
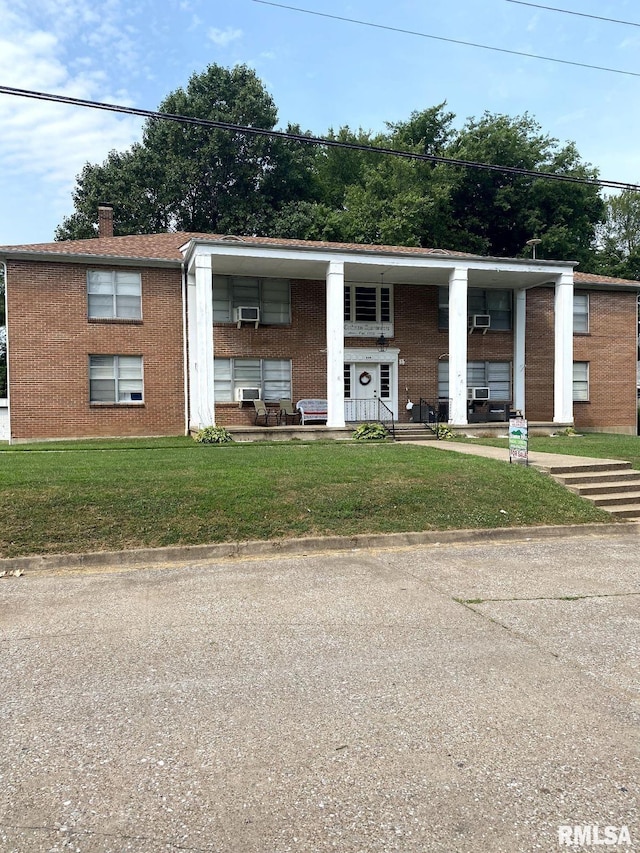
[(223, 38), (47, 140)]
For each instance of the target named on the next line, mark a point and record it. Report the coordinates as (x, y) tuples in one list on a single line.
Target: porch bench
[(312, 410)]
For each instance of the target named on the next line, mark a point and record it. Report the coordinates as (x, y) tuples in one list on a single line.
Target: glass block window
[(347, 381), (385, 381)]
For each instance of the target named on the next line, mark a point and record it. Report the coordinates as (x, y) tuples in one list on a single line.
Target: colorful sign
[(519, 441)]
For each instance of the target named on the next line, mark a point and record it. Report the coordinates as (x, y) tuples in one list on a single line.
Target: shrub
[(441, 431), (213, 435), (370, 432)]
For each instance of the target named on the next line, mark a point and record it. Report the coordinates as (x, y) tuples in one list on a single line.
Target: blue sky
[(321, 73)]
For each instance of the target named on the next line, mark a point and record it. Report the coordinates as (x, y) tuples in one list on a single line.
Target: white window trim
[(233, 302), (114, 316), (369, 328), (261, 382), (116, 401), (354, 355), (588, 313), (586, 399)]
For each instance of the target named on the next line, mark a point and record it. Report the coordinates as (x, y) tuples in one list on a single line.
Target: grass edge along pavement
[(132, 494)]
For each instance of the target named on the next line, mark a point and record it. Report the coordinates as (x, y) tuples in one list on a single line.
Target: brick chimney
[(105, 220)]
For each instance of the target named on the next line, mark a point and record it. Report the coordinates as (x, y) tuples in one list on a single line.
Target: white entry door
[(365, 392)]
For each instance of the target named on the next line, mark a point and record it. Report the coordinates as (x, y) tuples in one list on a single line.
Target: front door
[(364, 390)]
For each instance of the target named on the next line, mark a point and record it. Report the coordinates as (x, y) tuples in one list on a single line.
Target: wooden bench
[(312, 410)]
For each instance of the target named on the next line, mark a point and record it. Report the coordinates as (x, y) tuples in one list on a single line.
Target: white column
[(200, 322), (458, 330), (519, 333), (335, 344), (563, 355)]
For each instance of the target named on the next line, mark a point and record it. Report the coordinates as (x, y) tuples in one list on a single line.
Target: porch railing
[(366, 411)]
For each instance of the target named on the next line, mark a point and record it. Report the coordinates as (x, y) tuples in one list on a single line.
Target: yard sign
[(519, 441)]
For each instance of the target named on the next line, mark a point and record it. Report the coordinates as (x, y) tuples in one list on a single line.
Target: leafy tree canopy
[(619, 236), (185, 177)]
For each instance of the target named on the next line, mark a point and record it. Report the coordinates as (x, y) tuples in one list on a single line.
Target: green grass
[(598, 445), (104, 495)]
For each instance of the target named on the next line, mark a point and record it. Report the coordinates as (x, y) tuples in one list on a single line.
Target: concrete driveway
[(459, 698)]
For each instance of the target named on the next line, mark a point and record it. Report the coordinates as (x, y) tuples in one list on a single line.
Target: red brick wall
[(304, 342), (539, 354), (610, 348), (50, 340)]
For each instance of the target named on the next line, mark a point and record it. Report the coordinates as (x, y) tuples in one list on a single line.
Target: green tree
[(619, 236), (186, 177), (496, 213), (367, 197)]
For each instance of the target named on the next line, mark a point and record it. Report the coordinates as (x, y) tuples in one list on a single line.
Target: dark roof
[(166, 247)]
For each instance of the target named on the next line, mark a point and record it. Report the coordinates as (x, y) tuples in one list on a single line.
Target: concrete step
[(623, 499), (614, 488), (593, 477), (611, 486), (587, 467), (423, 434), (624, 510)]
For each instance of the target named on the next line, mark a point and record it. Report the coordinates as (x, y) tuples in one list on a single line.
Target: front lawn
[(104, 495)]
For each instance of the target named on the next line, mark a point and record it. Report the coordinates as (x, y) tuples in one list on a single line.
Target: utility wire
[(578, 14), (311, 140), (450, 40)]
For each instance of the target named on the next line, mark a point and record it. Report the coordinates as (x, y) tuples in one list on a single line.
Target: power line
[(577, 14), (450, 40), (312, 140)]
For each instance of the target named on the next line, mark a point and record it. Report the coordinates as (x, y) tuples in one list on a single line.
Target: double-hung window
[(114, 295), (272, 296), (494, 375), (581, 381), (496, 303), (270, 377), (580, 313), (115, 379)]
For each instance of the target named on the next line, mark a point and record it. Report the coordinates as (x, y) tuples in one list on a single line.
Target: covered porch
[(350, 366)]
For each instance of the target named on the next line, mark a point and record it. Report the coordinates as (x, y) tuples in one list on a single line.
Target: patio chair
[(288, 413), (263, 412)]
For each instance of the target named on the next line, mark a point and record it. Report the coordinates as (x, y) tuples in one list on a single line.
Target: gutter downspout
[(185, 348), (6, 321)]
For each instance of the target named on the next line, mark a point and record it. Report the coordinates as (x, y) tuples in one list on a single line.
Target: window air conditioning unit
[(244, 395), (480, 393), (247, 314), (480, 321)]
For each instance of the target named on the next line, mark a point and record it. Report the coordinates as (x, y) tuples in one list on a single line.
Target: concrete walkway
[(544, 461)]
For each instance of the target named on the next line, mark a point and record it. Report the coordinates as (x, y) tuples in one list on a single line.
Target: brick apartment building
[(161, 333)]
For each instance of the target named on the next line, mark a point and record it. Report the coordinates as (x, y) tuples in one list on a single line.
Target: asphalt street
[(455, 698)]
